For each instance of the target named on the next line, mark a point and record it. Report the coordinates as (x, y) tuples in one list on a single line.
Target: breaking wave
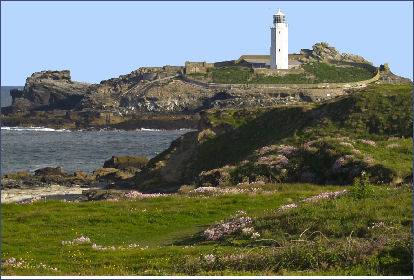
[(17, 128)]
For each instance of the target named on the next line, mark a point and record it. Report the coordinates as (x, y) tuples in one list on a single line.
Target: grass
[(286, 79), (315, 72), (326, 73), (34, 233), (230, 75)]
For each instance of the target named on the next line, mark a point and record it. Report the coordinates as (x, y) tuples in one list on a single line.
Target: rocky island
[(172, 96)]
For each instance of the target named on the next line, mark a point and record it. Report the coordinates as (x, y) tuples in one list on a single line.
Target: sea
[(28, 149)]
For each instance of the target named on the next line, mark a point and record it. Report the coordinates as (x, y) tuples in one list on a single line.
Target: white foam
[(149, 129), (33, 128)]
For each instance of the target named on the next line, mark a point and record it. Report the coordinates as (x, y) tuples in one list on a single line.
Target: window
[(279, 49), (279, 32)]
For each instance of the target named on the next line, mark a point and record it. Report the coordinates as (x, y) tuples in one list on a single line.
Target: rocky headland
[(168, 97)]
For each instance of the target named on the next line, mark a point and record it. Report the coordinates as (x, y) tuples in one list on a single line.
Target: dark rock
[(124, 162), (17, 175), (80, 175), (215, 177), (50, 171), (94, 195), (112, 174), (49, 90)]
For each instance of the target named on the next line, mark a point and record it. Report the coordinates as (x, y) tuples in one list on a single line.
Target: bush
[(361, 187)]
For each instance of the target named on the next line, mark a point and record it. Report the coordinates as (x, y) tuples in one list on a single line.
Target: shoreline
[(54, 129), (69, 120)]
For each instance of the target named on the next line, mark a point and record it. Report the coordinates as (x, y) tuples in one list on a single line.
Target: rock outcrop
[(125, 162), (323, 52), (48, 90), (387, 77)]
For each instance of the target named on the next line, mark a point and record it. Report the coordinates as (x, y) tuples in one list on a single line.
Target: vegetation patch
[(343, 125), (315, 72)]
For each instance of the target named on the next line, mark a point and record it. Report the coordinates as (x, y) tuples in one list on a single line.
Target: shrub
[(361, 187)]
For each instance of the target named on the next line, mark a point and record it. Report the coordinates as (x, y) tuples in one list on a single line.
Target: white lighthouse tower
[(279, 44)]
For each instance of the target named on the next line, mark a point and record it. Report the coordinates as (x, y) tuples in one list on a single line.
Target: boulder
[(50, 171), (112, 174), (126, 162)]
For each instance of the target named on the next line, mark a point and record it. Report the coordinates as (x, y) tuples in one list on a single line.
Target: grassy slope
[(375, 113)]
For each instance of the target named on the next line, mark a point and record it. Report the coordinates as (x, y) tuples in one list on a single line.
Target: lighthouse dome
[(279, 17), (279, 13)]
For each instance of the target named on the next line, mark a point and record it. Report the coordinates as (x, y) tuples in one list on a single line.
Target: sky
[(102, 40)]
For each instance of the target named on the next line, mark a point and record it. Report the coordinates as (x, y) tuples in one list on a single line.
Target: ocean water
[(31, 148), (6, 99)]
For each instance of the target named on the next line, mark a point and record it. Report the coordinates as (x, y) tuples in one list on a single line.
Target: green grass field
[(167, 232), (316, 72)]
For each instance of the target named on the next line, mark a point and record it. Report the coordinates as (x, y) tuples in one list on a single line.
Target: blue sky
[(101, 40)]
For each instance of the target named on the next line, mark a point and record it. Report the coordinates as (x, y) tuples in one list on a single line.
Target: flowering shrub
[(13, 262), (392, 146), (361, 187), (210, 258), (102, 248), (369, 160), (309, 144), (346, 144), (79, 240), (325, 195), (248, 231), (287, 206), (377, 225), (341, 162), (286, 150), (139, 195), (113, 248), (236, 223), (267, 149), (279, 160), (356, 151), (369, 142)]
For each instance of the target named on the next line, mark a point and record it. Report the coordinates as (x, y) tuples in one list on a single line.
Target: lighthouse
[(279, 42)]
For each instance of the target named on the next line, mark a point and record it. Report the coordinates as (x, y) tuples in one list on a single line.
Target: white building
[(279, 42)]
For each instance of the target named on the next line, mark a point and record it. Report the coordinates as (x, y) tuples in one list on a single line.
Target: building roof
[(255, 58)]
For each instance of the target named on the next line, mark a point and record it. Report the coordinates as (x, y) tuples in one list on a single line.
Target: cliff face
[(49, 90)]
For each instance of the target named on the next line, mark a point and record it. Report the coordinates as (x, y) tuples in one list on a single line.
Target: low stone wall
[(197, 67)]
